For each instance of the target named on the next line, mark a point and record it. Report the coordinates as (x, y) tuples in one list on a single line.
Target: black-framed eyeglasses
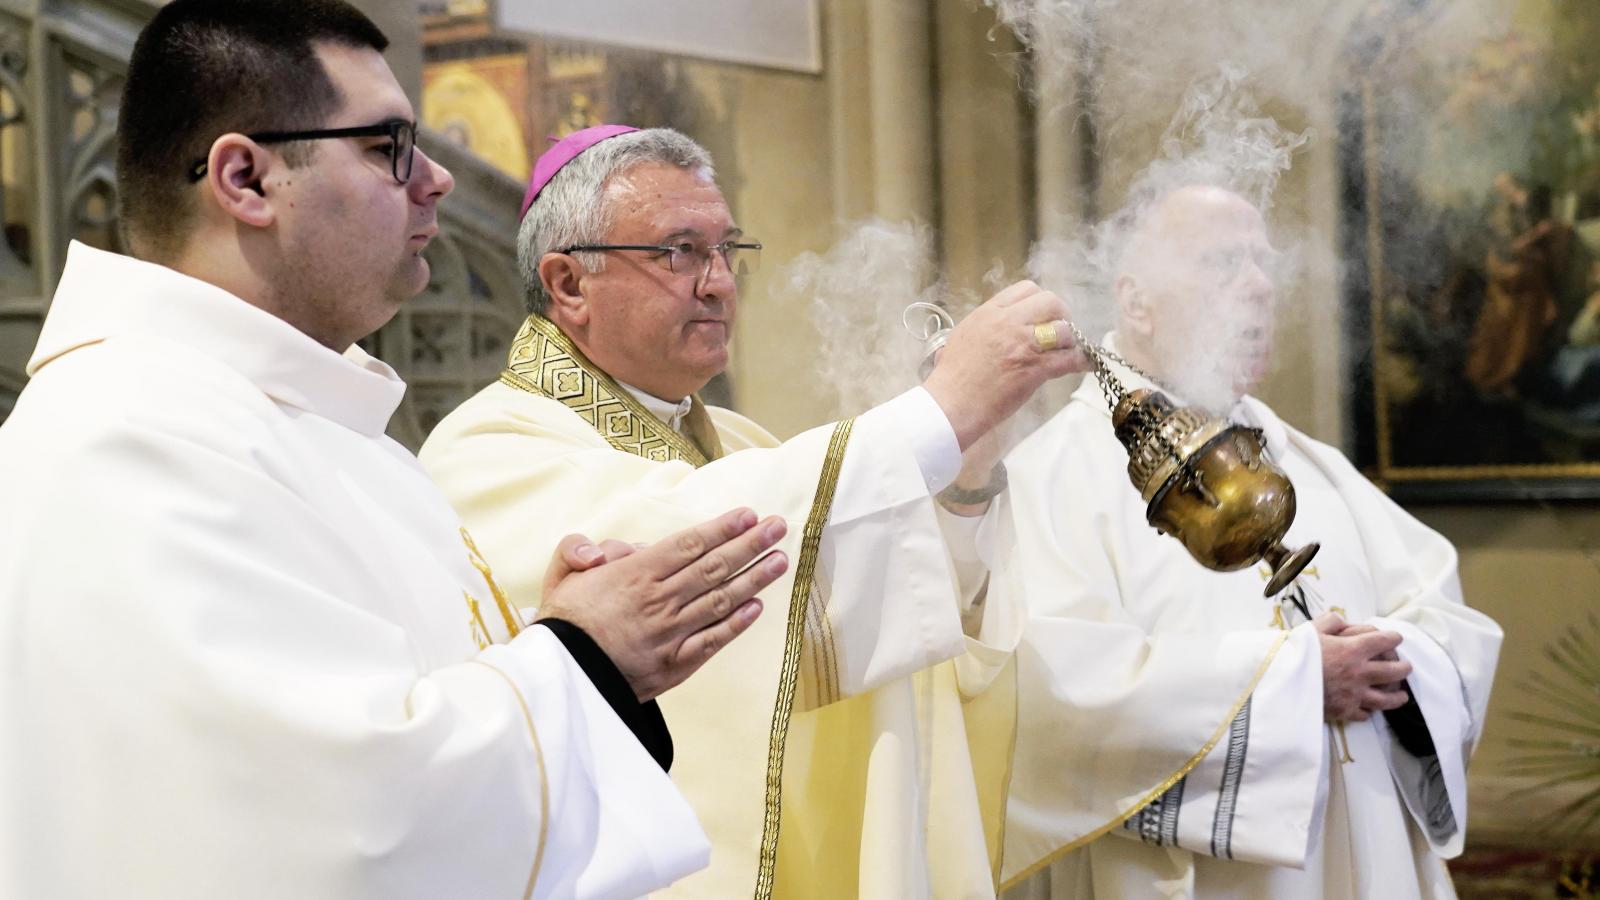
[(402, 150), (691, 257)]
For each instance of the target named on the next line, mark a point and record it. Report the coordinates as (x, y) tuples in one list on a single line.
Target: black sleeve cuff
[(643, 719), (1410, 729)]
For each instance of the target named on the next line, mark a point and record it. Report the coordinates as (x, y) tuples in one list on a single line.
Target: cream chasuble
[(826, 751), (1171, 739), (249, 650)]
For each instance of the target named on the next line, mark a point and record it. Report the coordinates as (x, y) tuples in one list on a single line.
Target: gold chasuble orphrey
[(544, 361)]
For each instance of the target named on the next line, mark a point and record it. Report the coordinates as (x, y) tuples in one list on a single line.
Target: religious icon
[(1473, 160)]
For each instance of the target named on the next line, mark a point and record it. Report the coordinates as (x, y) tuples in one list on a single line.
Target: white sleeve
[(892, 602), (637, 833), (915, 421), (1434, 789), (251, 714), (961, 535), (1258, 794)]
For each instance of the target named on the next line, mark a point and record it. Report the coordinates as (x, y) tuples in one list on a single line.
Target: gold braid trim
[(997, 857), (1163, 787), (799, 599), (544, 361), (508, 613)]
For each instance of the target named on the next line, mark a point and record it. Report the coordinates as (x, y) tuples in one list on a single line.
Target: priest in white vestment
[(827, 753), (1181, 735), (248, 650)]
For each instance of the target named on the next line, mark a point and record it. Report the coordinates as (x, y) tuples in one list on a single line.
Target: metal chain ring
[(1097, 355), (1149, 434)]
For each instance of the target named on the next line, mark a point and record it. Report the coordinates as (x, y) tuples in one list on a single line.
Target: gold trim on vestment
[(1344, 741), (508, 613), (544, 361), (701, 431), (998, 857), (1164, 786), (544, 778), (799, 600), (480, 629), (824, 664)]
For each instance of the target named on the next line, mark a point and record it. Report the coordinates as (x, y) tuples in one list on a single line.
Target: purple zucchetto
[(566, 150)]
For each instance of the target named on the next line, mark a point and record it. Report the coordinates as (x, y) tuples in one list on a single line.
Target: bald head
[(1194, 300), (1194, 234)]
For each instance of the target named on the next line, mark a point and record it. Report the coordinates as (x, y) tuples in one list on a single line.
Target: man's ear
[(1133, 307), (562, 275), (236, 170)]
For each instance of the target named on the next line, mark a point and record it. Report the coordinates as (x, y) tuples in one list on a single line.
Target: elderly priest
[(827, 754), (1183, 735)]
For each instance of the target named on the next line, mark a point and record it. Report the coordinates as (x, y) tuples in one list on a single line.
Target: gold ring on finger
[(1044, 334)]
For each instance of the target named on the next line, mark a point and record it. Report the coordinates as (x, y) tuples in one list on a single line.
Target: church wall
[(401, 26), (781, 149)]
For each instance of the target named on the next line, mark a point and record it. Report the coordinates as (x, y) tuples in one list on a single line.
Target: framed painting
[(1470, 156)]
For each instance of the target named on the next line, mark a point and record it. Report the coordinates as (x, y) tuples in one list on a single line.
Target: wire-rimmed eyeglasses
[(402, 148), (691, 257)]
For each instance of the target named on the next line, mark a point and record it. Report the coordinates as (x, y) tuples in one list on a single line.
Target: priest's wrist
[(974, 501), (642, 718)]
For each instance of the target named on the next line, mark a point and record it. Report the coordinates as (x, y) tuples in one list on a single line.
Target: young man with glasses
[(827, 754), (249, 649)]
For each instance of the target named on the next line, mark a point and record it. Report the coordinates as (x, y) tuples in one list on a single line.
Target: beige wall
[(400, 24)]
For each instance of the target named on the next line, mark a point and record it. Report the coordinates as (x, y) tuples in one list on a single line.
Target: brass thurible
[(1206, 482), (1209, 484)]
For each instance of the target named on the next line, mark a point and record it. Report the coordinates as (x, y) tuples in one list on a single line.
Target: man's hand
[(992, 363), (660, 611), (1361, 674)]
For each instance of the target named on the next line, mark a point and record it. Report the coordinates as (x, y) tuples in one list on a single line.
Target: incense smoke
[(858, 290)]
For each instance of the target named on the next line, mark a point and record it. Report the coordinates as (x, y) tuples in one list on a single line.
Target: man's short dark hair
[(204, 68)]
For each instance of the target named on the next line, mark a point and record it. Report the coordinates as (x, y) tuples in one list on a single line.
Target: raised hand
[(993, 361), (660, 611)]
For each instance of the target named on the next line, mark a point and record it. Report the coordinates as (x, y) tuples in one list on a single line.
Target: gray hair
[(573, 207)]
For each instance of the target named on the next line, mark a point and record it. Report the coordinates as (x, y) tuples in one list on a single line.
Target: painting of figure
[(1471, 163)]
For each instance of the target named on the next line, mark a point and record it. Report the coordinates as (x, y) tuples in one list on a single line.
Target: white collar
[(103, 295), (665, 410)]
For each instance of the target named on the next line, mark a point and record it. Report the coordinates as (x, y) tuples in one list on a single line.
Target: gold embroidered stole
[(544, 361)]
